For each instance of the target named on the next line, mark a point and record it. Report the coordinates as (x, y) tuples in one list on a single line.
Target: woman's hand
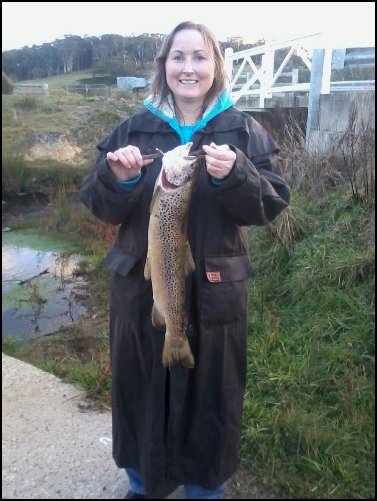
[(126, 163), (220, 160)]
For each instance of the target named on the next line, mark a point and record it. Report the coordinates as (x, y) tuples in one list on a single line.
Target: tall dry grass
[(350, 161)]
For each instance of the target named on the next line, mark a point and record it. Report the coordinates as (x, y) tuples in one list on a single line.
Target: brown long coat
[(182, 426)]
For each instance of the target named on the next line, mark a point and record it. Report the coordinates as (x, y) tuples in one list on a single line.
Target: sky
[(346, 24)]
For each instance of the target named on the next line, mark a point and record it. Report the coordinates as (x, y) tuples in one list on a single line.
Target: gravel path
[(51, 448)]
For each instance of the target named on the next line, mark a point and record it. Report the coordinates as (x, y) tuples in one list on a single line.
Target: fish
[(169, 258)]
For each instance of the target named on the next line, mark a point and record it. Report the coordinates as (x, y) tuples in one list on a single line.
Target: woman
[(182, 426)]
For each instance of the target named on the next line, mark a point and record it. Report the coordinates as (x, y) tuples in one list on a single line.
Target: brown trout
[(169, 258)]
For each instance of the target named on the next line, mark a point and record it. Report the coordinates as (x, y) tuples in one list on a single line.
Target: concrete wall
[(335, 112)]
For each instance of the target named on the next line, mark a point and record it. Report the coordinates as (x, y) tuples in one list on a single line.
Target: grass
[(57, 129), (76, 354), (72, 78), (47, 176), (309, 410)]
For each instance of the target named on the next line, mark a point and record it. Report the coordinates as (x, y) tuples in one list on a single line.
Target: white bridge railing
[(252, 72)]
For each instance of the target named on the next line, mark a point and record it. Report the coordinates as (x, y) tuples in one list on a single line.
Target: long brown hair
[(160, 89)]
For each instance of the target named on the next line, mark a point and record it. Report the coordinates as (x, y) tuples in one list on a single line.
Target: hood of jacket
[(166, 113)]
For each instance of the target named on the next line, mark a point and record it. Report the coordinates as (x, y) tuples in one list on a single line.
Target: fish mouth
[(166, 183)]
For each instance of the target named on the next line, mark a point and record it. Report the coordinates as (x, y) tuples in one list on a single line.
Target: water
[(40, 291)]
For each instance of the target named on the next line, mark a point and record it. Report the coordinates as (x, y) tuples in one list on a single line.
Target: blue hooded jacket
[(185, 132)]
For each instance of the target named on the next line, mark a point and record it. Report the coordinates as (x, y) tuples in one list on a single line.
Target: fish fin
[(156, 192), (177, 351), (189, 261), (147, 269), (158, 319)]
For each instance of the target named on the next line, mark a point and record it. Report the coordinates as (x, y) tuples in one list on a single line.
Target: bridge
[(287, 73)]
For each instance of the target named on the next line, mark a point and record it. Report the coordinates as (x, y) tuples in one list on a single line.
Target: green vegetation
[(72, 78), (76, 354), (309, 411), (54, 137), (308, 426), (21, 176), (6, 84)]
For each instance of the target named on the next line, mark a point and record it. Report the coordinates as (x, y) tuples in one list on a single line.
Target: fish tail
[(177, 351)]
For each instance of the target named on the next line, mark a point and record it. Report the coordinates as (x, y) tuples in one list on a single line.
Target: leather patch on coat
[(213, 276)]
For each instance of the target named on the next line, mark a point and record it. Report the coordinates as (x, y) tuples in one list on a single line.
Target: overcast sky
[(344, 24)]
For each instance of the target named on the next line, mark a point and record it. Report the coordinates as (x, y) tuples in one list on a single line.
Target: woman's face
[(189, 67)]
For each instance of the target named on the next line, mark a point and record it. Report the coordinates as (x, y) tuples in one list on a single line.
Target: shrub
[(7, 86)]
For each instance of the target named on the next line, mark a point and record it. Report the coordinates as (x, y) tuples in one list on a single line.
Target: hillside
[(61, 127), (72, 78)]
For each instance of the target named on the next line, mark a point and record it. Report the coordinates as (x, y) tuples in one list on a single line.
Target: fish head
[(177, 167)]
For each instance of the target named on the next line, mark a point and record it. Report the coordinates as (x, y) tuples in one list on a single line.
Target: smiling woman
[(190, 71), (190, 67), (166, 414)]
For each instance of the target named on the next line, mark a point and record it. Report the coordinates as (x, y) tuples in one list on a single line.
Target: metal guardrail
[(352, 85), (340, 86), (263, 78)]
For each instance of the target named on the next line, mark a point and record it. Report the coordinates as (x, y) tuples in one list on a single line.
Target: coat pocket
[(224, 289), (119, 261), (125, 282)]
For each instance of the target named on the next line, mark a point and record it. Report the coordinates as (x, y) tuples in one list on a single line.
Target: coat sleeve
[(100, 191), (255, 193)]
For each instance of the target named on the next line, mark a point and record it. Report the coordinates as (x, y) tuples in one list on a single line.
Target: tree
[(235, 42)]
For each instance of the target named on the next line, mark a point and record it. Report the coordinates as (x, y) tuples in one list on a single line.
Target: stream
[(41, 291)]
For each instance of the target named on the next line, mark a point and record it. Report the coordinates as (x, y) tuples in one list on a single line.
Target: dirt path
[(244, 485)]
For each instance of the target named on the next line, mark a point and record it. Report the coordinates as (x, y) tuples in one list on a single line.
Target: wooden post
[(312, 122)]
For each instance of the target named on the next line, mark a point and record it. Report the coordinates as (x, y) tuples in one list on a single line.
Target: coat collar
[(230, 119)]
